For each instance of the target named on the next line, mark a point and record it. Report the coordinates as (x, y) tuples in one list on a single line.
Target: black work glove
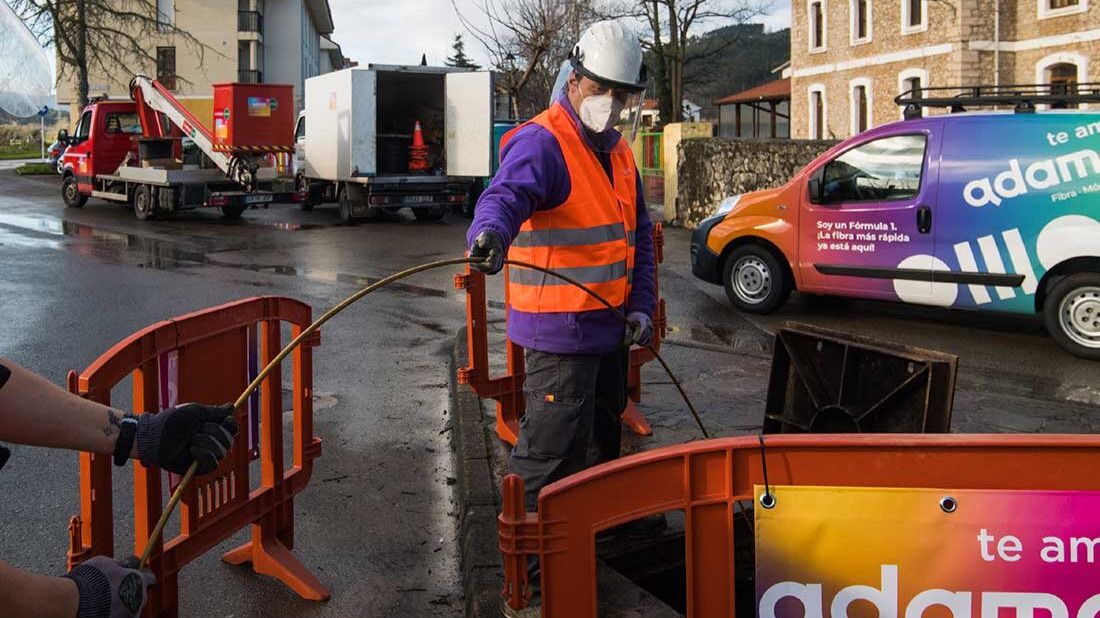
[(490, 247), (108, 588), (171, 439)]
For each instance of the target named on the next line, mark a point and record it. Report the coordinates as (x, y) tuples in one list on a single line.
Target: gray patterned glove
[(641, 329), (171, 439), (110, 589)]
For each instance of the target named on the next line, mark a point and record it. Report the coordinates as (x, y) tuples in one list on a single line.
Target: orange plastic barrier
[(208, 356), (706, 479), (507, 389)]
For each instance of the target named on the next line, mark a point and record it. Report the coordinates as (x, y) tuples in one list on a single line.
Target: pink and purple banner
[(906, 553)]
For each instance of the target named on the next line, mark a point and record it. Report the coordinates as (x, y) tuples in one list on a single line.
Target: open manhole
[(821, 382), (828, 382)]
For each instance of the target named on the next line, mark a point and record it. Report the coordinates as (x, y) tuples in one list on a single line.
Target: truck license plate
[(416, 199), (257, 199)]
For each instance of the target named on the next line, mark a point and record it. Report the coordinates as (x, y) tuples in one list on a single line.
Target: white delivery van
[(354, 136)]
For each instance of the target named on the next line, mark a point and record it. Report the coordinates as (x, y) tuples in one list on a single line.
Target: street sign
[(45, 110)]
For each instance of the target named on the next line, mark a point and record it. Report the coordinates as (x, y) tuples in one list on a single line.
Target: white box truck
[(353, 139)]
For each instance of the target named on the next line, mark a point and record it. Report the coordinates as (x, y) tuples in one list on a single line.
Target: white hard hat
[(610, 54)]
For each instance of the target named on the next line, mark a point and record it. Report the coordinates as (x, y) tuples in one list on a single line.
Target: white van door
[(469, 123), (360, 112)]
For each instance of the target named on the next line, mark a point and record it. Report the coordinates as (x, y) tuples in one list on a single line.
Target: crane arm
[(151, 97)]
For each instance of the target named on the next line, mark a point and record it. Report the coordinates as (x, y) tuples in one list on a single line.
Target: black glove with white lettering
[(488, 246), (108, 588), (174, 438)]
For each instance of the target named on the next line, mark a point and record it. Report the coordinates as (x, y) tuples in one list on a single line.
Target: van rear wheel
[(344, 206), (1071, 312), (754, 280), (143, 203)]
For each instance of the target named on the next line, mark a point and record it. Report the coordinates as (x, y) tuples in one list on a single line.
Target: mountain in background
[(744, 56)]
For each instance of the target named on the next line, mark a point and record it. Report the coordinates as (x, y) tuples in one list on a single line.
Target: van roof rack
[(1022, 97)]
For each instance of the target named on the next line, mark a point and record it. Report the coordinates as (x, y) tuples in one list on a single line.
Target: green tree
[(460, 59)]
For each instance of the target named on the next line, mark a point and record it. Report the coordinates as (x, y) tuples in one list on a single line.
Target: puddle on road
[(148, 252)]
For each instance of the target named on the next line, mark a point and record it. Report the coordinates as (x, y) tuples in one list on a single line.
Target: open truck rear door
[(469, 123), (340, 138)]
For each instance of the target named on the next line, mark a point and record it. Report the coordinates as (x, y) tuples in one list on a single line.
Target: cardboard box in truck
[(354, 136)]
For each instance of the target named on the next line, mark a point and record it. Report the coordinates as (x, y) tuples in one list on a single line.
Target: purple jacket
[(533, 176)]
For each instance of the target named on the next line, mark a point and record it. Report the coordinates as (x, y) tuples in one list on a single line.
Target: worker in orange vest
[(33, 411), (568, 196)]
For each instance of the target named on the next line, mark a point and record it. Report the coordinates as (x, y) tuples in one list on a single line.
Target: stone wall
[(711, 169)]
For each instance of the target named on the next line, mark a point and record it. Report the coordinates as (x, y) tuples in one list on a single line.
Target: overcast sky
[(399, 31)]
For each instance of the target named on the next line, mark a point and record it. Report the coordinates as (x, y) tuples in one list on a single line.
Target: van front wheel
[(754, 280), (1072, 314)]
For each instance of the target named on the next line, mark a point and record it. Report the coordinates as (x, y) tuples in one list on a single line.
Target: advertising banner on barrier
[(905, 553)]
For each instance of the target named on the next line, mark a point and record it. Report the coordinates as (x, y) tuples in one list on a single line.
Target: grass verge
[(35, 169)]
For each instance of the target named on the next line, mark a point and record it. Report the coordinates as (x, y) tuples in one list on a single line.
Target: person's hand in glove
[(640, 330), (174, 438), (108, 588), (488, 246)]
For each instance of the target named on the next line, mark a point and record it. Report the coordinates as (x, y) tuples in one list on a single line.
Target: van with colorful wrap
[(990, 210)]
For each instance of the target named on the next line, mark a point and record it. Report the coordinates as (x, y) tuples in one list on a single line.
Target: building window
[(860, 100), (166, 15), (860, 11), (817, 25), (913, 16), (817, 111), (884, 170), (1063, 71), (166, 67), (1063, 80), (861, 108), (911, 81), (1058, 8)]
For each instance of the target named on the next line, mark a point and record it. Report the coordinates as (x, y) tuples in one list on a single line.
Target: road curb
[(479, 555)]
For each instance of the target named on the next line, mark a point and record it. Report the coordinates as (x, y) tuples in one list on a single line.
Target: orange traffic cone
[(418, 152)]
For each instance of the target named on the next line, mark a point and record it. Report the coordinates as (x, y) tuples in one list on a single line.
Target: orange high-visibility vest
[(589, 237)]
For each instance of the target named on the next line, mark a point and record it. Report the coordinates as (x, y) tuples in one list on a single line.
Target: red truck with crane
[(128, 151)]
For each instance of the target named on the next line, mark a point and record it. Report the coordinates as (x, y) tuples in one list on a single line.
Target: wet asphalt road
[(377, 522)]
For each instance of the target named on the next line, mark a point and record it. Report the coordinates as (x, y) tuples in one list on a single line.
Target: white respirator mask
[(600, 112)]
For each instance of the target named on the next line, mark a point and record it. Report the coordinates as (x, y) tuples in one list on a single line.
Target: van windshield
[(881, 170)]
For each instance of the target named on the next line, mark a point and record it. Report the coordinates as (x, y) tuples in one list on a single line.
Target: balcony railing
[(250, 21), (249, 76)]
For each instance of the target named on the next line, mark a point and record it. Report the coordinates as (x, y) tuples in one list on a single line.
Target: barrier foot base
[(270, 557), (633, 418)]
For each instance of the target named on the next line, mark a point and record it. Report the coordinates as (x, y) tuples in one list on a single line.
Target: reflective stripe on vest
[(589, 237)]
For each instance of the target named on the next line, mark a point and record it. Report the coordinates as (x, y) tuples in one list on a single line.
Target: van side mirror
[(63, 137)]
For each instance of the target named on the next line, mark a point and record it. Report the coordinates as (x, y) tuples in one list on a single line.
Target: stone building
[(850, 58)]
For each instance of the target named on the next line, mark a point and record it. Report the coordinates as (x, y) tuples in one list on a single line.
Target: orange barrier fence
[(208, 356), (706, 479), (507, 389)]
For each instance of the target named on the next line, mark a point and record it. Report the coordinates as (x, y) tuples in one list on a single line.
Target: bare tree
[(110, 37), (669, 33), (526, 41)]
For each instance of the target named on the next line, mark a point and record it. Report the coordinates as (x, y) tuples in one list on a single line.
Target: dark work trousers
[(574, 402)]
